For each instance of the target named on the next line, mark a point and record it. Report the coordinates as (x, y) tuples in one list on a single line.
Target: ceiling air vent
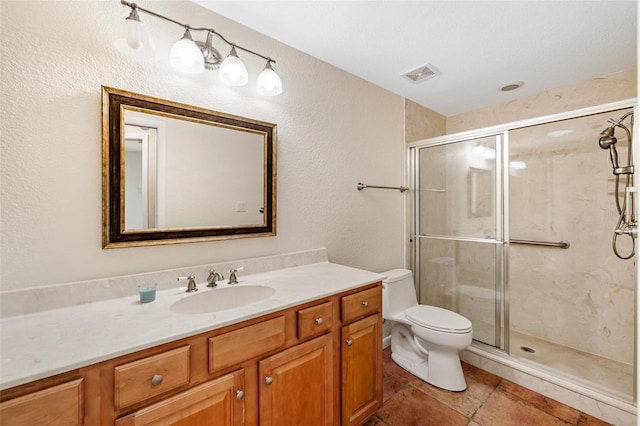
[(422, 73)]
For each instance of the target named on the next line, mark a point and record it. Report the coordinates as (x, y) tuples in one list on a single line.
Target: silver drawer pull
[(268, 380), (156, 380), (239, 395), (365, 304), (349, 342), (319, 321)]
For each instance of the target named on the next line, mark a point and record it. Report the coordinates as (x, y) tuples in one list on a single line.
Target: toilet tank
[(398, 292)]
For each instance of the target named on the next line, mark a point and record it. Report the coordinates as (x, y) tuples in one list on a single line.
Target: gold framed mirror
[(176, 173)]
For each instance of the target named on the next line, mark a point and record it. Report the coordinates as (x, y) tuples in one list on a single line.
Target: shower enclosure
[(512, 227)]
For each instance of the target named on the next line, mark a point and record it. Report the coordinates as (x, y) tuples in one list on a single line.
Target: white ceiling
[(477, 46)]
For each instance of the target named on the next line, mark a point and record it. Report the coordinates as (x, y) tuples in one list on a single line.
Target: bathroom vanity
[(309, 354)]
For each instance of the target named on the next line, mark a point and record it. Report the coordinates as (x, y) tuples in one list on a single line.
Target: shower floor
[(600, 374)]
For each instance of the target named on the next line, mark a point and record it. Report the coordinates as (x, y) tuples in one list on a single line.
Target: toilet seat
[(438, 319)]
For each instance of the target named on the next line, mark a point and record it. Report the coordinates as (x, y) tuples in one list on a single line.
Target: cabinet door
[(296, 385), (219, 402), (361, 369)]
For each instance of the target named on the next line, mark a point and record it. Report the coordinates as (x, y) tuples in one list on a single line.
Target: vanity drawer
[(151, 376), (245, 343), (61, 404), (315, 320), (361, 304)]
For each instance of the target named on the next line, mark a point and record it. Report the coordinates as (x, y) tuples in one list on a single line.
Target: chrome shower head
[(607, 139)]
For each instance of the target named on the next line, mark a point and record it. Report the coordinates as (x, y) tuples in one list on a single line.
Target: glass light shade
[(186, 56), (132, 36), (232, 71), (269, 83)]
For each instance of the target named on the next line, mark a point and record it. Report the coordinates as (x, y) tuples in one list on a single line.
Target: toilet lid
[(438, 319)]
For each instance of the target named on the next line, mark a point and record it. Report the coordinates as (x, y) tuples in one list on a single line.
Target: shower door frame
[(502, 349)]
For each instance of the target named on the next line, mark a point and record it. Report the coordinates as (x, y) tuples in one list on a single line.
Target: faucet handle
[(191, 285), (232, 275)]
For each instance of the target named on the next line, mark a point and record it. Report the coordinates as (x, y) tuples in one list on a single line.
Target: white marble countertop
[(43, 344)]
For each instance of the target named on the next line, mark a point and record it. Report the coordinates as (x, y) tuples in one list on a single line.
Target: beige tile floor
[(488, 400)]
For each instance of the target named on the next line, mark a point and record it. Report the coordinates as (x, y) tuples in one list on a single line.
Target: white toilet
[(425, 340)]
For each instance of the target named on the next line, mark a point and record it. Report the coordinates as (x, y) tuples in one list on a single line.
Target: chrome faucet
[(191, 285), (213, 278), (232, 275)]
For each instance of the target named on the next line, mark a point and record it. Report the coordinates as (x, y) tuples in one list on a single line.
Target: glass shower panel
[(457, 184), (571, 310), (458, 234), (461, 276)]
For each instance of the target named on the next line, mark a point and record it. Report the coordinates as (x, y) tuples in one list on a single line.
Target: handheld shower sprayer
[(608, 141), (607, 138), (627, 224)]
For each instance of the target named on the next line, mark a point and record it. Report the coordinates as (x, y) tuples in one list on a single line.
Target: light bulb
[(269, 83), (232, 71), (186, 56)]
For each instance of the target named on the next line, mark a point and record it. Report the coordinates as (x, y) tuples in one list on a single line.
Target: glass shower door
[(458, 232)]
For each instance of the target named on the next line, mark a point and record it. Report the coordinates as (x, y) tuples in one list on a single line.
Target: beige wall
[(334, 130), (422, 123)]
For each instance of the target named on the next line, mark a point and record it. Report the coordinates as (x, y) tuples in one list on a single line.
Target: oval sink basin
[(221, 299)]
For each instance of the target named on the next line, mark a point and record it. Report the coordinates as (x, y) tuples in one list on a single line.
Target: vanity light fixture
[(232, 70), (186, 56), (269, 83), (132, 34), (194, 57)]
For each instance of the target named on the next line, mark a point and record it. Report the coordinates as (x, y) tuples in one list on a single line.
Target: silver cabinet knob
[(349, 342), (156, 380), (268, 380), (239, 395), (319, 321), (365, 304)]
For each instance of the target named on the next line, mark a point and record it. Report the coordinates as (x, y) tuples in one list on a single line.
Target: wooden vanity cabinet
[(318, 363), (361, 356)]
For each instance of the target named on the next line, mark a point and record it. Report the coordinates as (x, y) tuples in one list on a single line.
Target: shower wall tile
[(601, 90)]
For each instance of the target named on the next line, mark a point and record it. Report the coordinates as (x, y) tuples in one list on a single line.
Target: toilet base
[(440, 367)]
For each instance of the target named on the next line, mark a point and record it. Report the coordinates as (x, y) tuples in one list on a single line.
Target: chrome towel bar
[(561, 244), (362, 186)]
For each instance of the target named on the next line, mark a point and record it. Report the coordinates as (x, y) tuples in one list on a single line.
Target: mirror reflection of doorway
[(142, 170)]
